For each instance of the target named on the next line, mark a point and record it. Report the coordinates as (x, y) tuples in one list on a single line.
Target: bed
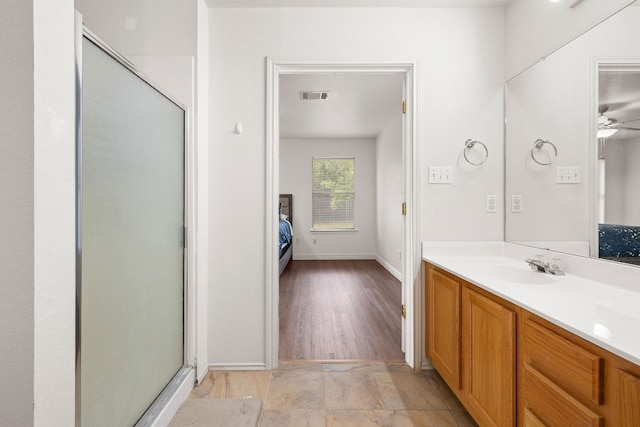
[(286, 230), (619, 243)]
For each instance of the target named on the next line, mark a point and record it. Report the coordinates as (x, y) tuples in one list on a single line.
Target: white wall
[(54, 213), (16, 215), (37, 240), (143, 27), (389, 196), (460, 76), (295, 178), (535, 29)]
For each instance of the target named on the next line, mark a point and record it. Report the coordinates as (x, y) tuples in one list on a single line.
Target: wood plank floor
[(339, 310)]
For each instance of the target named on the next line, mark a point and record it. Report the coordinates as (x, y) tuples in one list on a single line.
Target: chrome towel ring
[(468, 145), (538, 145)]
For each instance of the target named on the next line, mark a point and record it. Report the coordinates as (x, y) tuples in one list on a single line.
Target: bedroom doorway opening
[(405, 245)]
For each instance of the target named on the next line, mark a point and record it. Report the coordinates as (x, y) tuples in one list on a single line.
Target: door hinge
[(404, 107), (404, 311), (404, 208)]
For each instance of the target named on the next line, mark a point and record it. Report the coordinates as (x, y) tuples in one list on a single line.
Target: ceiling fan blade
[(627, 128), (628, 121)]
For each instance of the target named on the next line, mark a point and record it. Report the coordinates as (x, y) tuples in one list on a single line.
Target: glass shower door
[(130, 241)]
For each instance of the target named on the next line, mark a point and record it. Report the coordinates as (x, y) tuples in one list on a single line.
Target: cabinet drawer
[(552, 406), (573, 368)]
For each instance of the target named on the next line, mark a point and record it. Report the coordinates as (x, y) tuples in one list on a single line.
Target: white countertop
[(604, 314)]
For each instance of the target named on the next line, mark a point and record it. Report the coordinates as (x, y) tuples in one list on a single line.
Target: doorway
[(409, 239)]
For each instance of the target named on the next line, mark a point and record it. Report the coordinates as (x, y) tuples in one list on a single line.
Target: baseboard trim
[(426, 364), (237, 367), (202, 375), (331, 257), (395, 273)]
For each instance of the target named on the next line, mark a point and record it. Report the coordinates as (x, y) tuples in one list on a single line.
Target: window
[(333, 190)]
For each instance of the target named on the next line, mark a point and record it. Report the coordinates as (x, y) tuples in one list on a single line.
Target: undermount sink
[(512, 274)]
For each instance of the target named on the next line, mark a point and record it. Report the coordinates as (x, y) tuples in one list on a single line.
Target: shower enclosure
[(130, 239)]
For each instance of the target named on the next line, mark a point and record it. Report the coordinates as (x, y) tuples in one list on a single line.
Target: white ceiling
[(356, 3), (358, 105)]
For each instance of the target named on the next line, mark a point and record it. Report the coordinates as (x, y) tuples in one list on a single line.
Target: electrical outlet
[(568, 175), (314, 241), (516, 203), (440, 175), (490, 205)]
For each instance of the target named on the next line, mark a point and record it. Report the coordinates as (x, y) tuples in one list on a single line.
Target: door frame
[(411, 238), (626, 63)]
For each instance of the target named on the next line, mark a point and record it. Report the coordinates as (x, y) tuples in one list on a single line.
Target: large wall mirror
[(573, 145)]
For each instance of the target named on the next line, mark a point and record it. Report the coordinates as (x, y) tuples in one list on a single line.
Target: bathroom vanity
[(520, 347)]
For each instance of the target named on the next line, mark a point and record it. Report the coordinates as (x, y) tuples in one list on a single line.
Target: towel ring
[(538, 144), (468, 145)]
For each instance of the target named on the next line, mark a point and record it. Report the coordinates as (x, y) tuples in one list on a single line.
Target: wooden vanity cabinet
[(470, 339), (509, 367)]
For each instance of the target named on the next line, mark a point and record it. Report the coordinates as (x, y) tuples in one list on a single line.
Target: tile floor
[(341, 394)]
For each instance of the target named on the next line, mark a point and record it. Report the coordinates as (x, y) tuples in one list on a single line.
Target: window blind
[(333, 188)]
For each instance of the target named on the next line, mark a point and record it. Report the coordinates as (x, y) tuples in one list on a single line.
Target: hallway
[(339, 310)]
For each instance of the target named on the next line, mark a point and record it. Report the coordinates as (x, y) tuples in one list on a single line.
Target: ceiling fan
[(607, 126)]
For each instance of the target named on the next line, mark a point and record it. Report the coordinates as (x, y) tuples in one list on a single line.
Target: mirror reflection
[(618, 161), (573, 145)]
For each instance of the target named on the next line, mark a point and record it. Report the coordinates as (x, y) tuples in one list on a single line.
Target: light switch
[(568, 175), (440, 175)]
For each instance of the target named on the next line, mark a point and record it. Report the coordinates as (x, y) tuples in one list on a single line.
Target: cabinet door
[(489, 352), (443, 325), (628, 399)]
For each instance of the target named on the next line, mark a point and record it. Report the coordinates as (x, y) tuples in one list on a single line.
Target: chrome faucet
[(555, 266)]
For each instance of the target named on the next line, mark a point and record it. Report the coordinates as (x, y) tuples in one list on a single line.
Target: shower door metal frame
[(187, 370)]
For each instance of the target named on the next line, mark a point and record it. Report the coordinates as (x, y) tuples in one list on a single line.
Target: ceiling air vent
[(314, 95)]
